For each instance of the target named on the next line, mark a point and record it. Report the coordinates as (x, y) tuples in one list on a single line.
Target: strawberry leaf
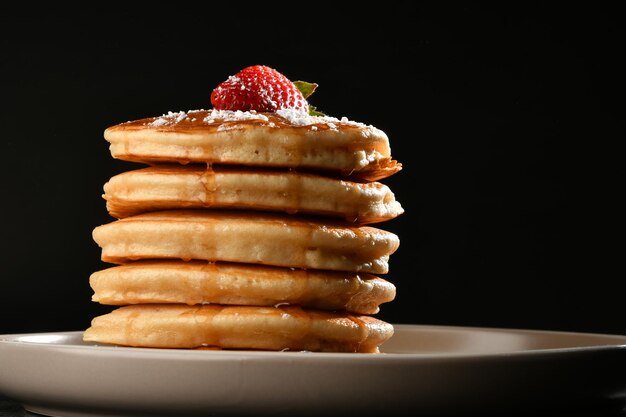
[(305, 88), (313, 111)]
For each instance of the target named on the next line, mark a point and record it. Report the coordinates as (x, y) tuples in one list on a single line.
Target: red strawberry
[(258, 88)]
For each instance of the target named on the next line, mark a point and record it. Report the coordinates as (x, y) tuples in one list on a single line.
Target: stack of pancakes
[(246, 231)]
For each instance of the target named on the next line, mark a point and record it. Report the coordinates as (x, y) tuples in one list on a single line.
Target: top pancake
[(287, 139)]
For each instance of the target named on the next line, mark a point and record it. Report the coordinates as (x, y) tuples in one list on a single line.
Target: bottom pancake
[(238, 327), (197, 282)]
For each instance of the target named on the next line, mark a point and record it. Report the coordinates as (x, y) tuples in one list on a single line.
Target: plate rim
[(395, 368), (619, 345)]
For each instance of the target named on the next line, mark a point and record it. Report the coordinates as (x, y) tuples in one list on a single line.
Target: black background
[(506, 120)]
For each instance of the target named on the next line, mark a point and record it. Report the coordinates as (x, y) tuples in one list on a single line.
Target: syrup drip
[(302, 278), (209, 285), (208, 182), (294, 192), (363, 331)]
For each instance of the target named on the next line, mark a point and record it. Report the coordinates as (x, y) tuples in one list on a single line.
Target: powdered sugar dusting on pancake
[(289, 116), (171, 118)]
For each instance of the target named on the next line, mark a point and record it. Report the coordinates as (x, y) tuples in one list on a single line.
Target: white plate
[(425, 369)]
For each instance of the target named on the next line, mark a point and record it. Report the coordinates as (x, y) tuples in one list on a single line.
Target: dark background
[(506, 120)]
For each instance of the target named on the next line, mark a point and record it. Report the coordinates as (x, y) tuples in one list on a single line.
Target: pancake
[(247, 237), (161, 188), (197, 282), (286, 139), (238, 327)]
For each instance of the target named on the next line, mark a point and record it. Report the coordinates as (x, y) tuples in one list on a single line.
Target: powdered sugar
[(300, 118), (233, 116), (289, 116), (171, 118), (159, 122), (223, 127)]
